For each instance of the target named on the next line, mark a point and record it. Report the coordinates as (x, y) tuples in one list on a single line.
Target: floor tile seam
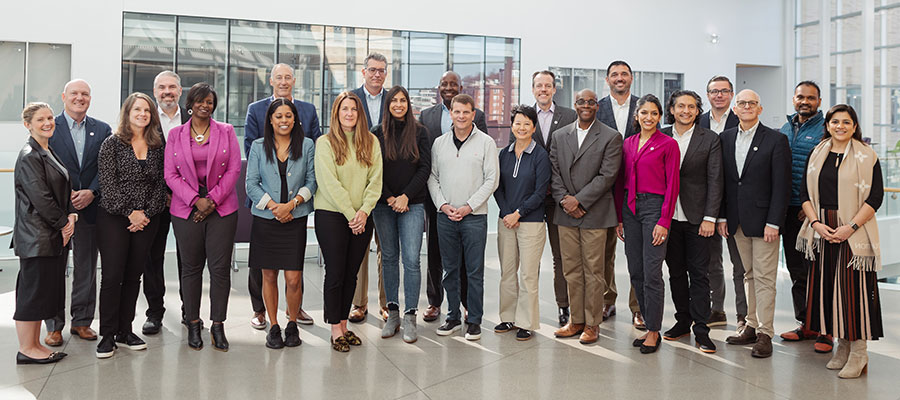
[(702, 361), (503, 357), (398, 370)]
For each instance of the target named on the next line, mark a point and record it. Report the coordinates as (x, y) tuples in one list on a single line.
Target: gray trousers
[(644, 259), (84, 278), (717, 275)]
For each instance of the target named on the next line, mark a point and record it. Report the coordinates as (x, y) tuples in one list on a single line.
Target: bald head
[(451, 73), (747, 94), (449, 87), (747, 107), (76, 99), (282, 80)]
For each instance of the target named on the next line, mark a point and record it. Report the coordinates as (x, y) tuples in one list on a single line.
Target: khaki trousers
[(520, 253), (584, 268), (609, 274), (760, 261), (361, 295)]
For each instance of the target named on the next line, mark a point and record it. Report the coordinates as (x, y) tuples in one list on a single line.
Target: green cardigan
[(350, 187)]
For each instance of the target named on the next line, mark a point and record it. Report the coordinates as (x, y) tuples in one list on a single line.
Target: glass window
[(808, 11), (427, 61), (650, 83), (251, 57), (345, 51), (501, 85), (12, 86), (602, 86), (583, 79), (842, 7), (148, 48), (202, 48), (301, 46), (808, 69), (391, 45), (564, 96), (808, 40), (49, 69), (846, 34), (671, 83), (467, 59)]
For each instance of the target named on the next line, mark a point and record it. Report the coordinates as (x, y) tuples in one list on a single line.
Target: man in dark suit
[(282, 81), (757, 165), (77, 141), (694, 220), (374, 99), (617, 112), (719, 92), (551, 116), (167, 91), (437, 121), (585, 157)]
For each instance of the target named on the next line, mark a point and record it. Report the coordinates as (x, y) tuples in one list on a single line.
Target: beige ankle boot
[(857, 362), (841, 354)]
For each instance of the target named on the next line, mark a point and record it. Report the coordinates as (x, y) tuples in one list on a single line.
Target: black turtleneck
[(405, 176)]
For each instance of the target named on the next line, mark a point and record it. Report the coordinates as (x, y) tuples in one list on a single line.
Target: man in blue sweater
[(804, 131)]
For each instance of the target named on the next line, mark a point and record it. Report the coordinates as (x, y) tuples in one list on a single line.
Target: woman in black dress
[(45, 221), (281, 180)]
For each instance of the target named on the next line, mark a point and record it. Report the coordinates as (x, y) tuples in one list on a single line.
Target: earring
[(190, 111)]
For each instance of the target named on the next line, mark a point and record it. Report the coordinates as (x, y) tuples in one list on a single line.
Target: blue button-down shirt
[(77, 131), (446, 121), (374, 103)]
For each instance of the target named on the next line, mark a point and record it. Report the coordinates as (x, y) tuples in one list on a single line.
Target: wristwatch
[(854, 226)]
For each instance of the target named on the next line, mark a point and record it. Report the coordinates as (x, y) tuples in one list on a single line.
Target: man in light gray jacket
[(464, 175)]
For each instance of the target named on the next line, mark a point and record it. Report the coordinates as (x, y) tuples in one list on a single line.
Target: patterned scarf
[(854, 185)]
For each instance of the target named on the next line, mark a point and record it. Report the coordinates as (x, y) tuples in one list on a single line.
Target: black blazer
[(43, 203), (562, 116), (84, 175), (605, 115), (701, 175), (431, 118), (361, 93), (762, 193), (731, 122)]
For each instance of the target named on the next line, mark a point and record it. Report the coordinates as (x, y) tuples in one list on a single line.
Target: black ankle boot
[(217, 333), (194, 340)]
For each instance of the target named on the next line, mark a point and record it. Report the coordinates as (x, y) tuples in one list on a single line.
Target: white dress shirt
[(581, 133), (620, 112), (167, 123), (718, 126)]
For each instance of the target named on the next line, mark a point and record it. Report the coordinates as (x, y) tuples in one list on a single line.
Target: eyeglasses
[(746, 103), (581, 102), (375, 71), (716, 92)]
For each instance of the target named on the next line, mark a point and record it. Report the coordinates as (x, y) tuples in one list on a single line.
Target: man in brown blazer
[(585, 157)]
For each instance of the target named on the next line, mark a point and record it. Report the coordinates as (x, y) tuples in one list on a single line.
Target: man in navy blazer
[(619, 77), (282, 81), (372, 92), (437, 121), (756, 161), (77, 141)]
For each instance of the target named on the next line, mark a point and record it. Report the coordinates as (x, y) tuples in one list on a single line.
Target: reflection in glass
[(202, 46), (501, 84), (671, 83), (467, 59), (564, 93), (252, 55), (427, 61), (390, 44), (300, 46), (12, 86), (148, 48), (49, 69), (345, 50)]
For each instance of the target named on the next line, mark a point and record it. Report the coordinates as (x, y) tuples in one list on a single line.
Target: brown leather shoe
[(763, 346), (54, 338), (746, 336), (590, 334), (358, 314), (569, 330), (384, 314), (608, 311), (638, 321), (431, 313), (84, 332)]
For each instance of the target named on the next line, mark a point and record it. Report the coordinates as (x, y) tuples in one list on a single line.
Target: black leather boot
[(217, 333), (194, 340)]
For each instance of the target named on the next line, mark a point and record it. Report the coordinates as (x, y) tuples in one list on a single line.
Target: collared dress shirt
[(446, 120), (77, 131), (620, 111), (718, 126), (545, 120), (582, 133), (742, 143), (167, 123), (374, 103)]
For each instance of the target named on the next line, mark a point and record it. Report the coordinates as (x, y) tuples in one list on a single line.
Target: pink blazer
[(223, 169)]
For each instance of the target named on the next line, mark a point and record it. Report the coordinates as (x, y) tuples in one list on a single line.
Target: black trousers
[(154, 279), (343, 253), (434, 286), (797, 265), (687, 255), (209, 242), (124, 256)]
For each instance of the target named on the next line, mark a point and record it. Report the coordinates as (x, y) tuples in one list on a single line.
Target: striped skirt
[(842, 301)]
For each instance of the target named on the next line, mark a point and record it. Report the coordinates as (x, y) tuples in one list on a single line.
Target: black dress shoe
[(705, 344), (292, 335), (217, 335), (55, 356), (152, 326), (195, 341), (563, 316), (107, 347), (678, 331), (274, 339), (638, 342), (645, 349)]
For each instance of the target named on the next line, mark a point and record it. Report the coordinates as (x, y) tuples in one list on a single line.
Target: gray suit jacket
[(587, 172), (701, 175)]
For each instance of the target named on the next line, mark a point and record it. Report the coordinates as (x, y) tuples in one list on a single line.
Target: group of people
[(581, 177)]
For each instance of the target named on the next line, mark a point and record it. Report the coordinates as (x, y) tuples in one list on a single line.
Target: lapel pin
[(92, 133), (651, 149), (555, 122), (755, 148)]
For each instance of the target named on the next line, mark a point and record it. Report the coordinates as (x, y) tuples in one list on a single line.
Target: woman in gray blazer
[(281, 180)]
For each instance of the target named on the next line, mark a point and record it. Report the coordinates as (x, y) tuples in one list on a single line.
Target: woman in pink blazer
[(202, 165)]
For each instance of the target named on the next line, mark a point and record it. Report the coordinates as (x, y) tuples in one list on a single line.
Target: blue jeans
[(466, 238), (400, 235)]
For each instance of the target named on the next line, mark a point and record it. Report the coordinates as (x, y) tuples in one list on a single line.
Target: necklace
[(199, 136)]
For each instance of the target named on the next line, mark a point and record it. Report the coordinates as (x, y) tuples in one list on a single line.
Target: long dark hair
[(402, 144), (847, 109), (297, 135), (648, 98)]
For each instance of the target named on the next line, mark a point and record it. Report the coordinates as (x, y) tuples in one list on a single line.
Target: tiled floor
[(435, 367)]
